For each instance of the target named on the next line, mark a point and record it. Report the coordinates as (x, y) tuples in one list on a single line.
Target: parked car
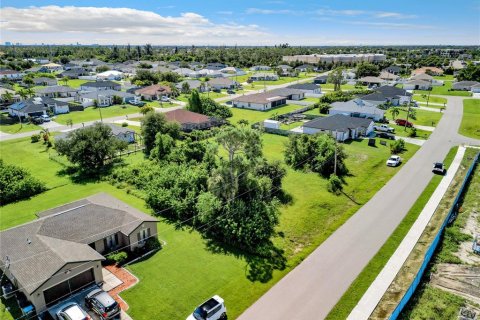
[(439, 167), (230, 91), (137, 103), (102, 304), (394, 161), (384, 128), (37, 120), (216, 90), (72, 311), (165, 99), (402, 122), (212, 309), (385, 135), (45, 118)]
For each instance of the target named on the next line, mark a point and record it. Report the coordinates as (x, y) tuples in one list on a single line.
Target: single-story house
[(372, 81), (193, 84), (222, 83), (40, 69), (385, 75), (263, 76), (121, 133), (397, 96), (310, 89), (184, 71), (37, 106), (417, 85), (15, 97), (393, 69), (11, 74), (432, 70), (52, 67), (259, 101), (61, 251), (320, 79), (215, 66), (464, 85), (458, 64), (288, 92), (339, 126), (44, 81), (104, 98), (305, 68), (154, 92), (100, 85), (189, 120), (260, 68), (56, 92), (357, 108), (232, 71), (110, 75), (428, 78), (73, 73)]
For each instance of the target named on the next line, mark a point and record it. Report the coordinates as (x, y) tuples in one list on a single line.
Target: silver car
[(72, 311), (103, 304)]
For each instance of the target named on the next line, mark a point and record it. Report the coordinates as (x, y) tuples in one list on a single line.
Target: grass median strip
[(356, 290)]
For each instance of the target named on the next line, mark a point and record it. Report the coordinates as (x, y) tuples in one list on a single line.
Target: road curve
[(313, 288)]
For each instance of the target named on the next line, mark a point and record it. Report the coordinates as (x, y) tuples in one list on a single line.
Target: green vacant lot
[(253, 116), (470, 126), (91, 113), (445, 90), (188, 271), (422, 99), (424, 117), (9, 125)]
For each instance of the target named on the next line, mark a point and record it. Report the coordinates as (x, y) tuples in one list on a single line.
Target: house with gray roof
[(339, 126), (100, 85), (103, 98), (357, 108), (259, 101), (56, 92), (44, 81), (192, 84), (464, 85), (310, 89), (37, 106), (61, 252)]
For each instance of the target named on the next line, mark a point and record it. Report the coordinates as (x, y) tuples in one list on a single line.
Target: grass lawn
[(186, 271), (291, 125), (255, 116), (420, 98), (90, 113), (400, 131), (445, 90), (424, 117), (311, 99), (470, 126), (9, 125), (356, 290), (74, 83)]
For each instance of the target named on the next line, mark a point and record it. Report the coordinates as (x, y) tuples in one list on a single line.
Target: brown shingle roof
[(184, 116), (154, 90)]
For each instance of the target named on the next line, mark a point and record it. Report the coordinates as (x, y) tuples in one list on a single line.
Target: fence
[(431, 250)]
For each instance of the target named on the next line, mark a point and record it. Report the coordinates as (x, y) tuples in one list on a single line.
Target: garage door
[(66, 288)]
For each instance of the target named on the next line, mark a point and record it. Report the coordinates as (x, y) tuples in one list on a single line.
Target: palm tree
[(395, 112), (45, 133), (7, 96), (23, 94), (30, 92), (65, 80)]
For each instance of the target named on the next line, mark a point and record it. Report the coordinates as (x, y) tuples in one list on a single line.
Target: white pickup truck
[(384, 128)]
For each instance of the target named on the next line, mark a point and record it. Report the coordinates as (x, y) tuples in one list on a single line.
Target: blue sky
[(264, 22)]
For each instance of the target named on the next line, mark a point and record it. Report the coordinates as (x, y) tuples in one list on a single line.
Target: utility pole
[(431, 85), (408, 114), (335, 162)]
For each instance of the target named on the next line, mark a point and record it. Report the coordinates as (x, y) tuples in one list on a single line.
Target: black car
[(103, 304), (439, 168), (230, 92), (37, 120), (385, 135)]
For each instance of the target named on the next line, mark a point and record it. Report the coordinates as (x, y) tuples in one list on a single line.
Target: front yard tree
[(394, 112), (154, 123), (185, 88), (336, 77), (90, 147), (194, 103)]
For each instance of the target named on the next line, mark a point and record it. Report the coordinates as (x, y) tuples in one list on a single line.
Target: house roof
[(44, 79), (183, 116), (284, 92), (356, 105), (55, 89), (375, 96), (221, 81), (424, 70), (370, 79), (264, 97), (154, 90), (305, 86), (465, 83), (419, 82), (36, 104), (422, 76), (324, 77), (39, 249), (193, 84), (337, 122), (264, 74), (391, 91), (387, 76), (108, 93), (100, 84), (5, 72), (394, 68)]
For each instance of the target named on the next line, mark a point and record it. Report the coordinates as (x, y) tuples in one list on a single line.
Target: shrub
[(153, 244), (334, 184), (16, 184), (412, 132), (118, 257), (124, 124), (398, 146), (35, 138)]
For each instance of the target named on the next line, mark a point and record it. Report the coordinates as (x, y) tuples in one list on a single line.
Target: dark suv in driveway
[(102, 304)]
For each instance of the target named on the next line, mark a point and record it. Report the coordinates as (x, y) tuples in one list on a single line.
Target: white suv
[(394, 161), (212, 309)]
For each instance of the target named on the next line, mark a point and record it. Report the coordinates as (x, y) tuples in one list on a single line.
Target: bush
[(118, 257), (412, 133), (16, 184), (35, 138), (153, 244), (334, 184), (124, 124), (398, 146)]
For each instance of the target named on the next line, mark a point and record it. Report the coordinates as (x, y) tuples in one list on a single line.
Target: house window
[(143, 235), (111, 241)]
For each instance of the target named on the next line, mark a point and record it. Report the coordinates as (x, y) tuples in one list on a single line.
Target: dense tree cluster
[(207, 106), (17, 183), (367, 69), (471, 73)]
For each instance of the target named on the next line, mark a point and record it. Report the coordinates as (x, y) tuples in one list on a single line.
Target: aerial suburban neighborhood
[(239, 160)]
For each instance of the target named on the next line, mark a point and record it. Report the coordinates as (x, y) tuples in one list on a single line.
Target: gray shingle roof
[(390, 91), (338, 122), (55, 89), (305, 86), (116, 130), (39, 249), (356, 106), (100, 84)]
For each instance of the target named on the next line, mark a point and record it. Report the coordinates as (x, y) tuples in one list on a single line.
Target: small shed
[(272, 124)]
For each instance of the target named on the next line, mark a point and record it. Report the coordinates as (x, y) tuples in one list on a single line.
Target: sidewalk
[(377, 289)]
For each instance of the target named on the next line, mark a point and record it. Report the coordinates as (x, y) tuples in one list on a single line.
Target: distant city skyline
[(315, 23)]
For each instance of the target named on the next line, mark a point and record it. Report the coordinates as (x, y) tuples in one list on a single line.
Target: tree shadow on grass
[(260, 266)]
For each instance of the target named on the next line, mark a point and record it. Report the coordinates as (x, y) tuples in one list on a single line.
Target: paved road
[(312, 289)]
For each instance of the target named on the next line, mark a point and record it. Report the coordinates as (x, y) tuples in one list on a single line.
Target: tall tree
[(194, 103), (336, 77), (154, 123)]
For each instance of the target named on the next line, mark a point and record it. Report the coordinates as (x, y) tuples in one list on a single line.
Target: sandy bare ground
[(472, 227), (462, 280)]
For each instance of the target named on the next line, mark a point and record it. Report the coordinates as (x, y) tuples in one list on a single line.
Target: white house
[(417, 85), (339, 126), (259, 101), (357, 108), (104, 98), (310, 89), (260, 68), (11, 74), (263, 77), (110, 75)]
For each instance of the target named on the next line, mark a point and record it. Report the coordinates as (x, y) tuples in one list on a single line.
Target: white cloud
[(228, 13), (270, 11), (394, 15), (124, 22), (330, 12)]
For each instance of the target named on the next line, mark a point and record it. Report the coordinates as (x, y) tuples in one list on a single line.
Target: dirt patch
[(472, 227), (128, 281), (461, 280)]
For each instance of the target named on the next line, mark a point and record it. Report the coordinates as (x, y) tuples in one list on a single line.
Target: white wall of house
[(253, 106), (61, 109), (340, 136)]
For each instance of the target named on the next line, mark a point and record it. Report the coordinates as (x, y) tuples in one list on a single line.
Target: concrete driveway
[(313, 288)]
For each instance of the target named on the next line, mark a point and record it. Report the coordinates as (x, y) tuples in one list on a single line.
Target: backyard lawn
[(91, 113), (424, 117), (188, 270), (470, 126), (253, 116)]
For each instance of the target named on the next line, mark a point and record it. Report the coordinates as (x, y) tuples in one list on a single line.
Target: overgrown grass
[(91, 113), (423, 98), (401, 132), (470, 126), (356, 290), (423, 117), (253, 116)]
